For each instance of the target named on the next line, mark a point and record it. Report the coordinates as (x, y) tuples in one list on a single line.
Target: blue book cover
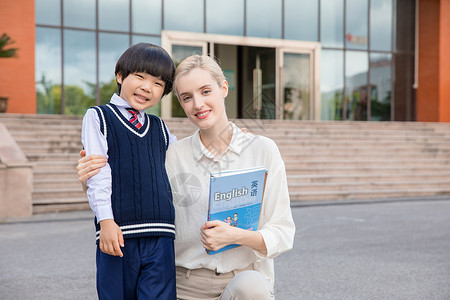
[(235, 197)]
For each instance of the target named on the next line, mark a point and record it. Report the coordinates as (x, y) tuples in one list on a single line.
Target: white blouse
[(189, 165)]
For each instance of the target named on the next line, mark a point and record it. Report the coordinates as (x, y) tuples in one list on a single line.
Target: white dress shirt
[(189, 164), (94, 142)]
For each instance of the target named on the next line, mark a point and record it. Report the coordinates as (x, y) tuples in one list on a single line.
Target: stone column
[(16, 179)]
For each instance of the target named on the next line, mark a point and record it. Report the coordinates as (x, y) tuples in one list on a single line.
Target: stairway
[(324, 160), (363, 160)]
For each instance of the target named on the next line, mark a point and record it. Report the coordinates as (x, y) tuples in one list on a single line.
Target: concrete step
[(367, 194), (324, 160), (67, 174), (45, 156), (34, 149), (56, 165), (371, 177), (52, 182), (46, 195), (55, 207), (49, 143), (362, 163), (348, 169), (369, 185)]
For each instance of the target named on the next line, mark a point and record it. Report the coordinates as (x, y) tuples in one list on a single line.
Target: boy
[(131, 195)]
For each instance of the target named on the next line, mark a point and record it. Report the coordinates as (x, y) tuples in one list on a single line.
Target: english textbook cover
[(235, 197)]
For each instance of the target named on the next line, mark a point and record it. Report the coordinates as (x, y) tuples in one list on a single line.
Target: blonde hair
[(203, 62)]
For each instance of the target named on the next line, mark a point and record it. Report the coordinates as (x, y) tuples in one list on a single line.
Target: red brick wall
[(427, 101), (17, 74), (433, 93), (444, 62)]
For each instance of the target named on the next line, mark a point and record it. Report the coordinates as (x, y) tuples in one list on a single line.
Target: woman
[(244, 272)]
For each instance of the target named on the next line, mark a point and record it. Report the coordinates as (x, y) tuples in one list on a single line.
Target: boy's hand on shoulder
[(111, 238)]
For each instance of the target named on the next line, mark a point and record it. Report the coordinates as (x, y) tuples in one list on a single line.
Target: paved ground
[(367, 250)]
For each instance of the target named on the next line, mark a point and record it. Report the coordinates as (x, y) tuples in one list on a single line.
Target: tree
[(5, 40)]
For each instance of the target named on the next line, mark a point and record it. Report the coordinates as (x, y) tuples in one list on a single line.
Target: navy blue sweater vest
[(141, 196)]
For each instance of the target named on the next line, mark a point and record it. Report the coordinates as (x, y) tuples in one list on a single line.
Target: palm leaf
[(5, 40)]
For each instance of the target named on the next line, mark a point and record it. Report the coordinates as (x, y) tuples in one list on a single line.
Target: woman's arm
[(88, 166), (278, 228), (217, 234)]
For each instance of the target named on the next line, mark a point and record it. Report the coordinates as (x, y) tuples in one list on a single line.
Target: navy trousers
[(146, 270)]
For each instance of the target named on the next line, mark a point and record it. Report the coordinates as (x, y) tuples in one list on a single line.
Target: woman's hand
[(88, 166), (217, 234)]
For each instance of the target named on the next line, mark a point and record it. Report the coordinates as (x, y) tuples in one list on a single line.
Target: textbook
[(235, 197)]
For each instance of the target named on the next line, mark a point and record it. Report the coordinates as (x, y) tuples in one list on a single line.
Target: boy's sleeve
[(99, 185)]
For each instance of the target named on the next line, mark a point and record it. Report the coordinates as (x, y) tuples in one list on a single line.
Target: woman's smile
[(203, 114)]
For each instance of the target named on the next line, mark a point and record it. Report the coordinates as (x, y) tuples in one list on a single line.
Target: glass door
[(258, 91), (296, 85), (270, 78)]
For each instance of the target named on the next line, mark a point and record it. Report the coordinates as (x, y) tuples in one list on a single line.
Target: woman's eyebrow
[(200, 88)]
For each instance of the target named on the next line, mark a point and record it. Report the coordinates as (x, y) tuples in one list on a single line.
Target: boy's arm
[(99, 186)]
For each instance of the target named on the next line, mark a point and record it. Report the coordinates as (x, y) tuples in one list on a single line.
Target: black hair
[(147, 58)]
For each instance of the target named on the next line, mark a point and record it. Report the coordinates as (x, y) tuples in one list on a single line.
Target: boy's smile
[(141, 90)]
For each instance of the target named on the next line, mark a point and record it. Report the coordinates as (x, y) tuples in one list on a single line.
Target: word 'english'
[(234, 193)]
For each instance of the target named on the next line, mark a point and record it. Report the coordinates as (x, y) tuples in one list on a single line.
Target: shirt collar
[(239, 141), (121, 103)]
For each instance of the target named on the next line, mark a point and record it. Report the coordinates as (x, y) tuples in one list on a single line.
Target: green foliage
[(48, 97), (381, 111), (177, 110), (5, 40), (76, 101), (107, 90)]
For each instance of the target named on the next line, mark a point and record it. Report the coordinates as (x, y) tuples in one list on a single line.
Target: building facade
[(364, 60)]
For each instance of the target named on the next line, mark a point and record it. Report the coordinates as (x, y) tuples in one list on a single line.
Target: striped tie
[(134, 118)]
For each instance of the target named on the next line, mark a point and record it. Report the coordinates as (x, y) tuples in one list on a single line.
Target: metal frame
[(314, 83)]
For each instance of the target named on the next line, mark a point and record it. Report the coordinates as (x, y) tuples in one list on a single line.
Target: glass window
[(79, 71), (332, 23), (111, 46), (225, 17), (48, 12), (356, 13), (180, 52), (79, 13), (301, 20), (114, 15), (183, 15), (48, 70), (356, 69), (264, 18), (136, 38), (380, 87), (146, 16), (332, 84), (381, 25), (405, 27)]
